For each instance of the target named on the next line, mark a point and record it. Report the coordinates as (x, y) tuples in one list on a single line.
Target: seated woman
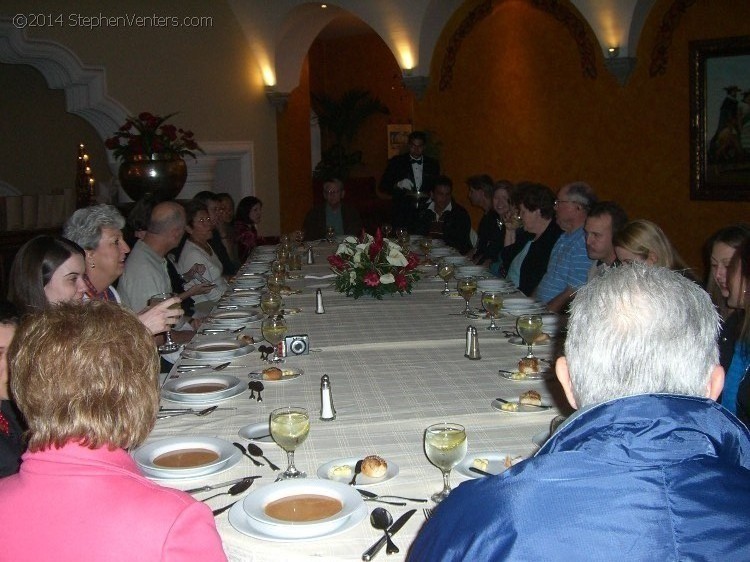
[(738, 284), (85, 379), (11, 430), (492, 231), (46, 270), (197, 250), (98, 230), (536, 204), (643, 241), (249, 214)]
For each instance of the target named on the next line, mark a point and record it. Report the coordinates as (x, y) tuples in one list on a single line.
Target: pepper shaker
[(472, 343), (310, 256), (319, 309), (327, 411)]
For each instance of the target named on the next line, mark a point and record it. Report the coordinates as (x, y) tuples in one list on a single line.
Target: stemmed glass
[(386, 230), (445, 271), (426, 246), (274, 329), (330, 234), (289, 428), (169, 346), (529, 327), (467, 286), (445, 445), (271, 303), (493, 303), (275, 281)]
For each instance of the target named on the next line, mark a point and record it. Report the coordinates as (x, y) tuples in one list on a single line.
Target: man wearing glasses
[(569, 264), (343, 218), (409, 179)]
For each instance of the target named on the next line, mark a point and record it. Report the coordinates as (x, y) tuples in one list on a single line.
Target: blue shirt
[(738, 366), (568, 266)]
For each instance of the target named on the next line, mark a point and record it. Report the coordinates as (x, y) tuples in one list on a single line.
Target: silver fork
[(427, 513)]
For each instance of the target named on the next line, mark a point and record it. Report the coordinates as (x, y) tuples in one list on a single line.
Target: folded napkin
[(328, 276)]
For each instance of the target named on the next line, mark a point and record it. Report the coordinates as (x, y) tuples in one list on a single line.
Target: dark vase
[(161, 175)]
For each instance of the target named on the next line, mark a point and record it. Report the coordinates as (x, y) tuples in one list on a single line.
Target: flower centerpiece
[(151, 152), (374, 266), (149, 134)]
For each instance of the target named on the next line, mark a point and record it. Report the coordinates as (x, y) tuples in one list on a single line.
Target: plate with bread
[(528, 369), (276, 374), (493, 462), (529, 402), (375, 470)]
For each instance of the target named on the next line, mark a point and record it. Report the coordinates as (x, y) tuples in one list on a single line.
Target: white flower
[(357, 259), (345, 249), (350, 240), (387, 278), (395, 257), (362, 247), (352, 276)]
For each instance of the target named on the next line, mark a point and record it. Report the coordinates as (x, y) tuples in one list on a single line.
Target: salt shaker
[(327, 411), (469, 340), (319, 302), (310, 256), (472, 343)]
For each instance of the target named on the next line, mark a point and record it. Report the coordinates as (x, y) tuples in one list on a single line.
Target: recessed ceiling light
[(324, 6)]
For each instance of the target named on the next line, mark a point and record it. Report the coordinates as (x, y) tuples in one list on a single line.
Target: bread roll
[(247, 340), (528, 365), (530, 397), (272, 374), (374, 466), (541, 338)]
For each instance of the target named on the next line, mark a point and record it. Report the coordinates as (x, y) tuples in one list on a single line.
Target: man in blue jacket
[(649, 468)]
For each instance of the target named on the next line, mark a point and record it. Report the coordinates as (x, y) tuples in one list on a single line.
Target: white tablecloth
[(396, 366)]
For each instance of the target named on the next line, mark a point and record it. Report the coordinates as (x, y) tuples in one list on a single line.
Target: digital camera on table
[(296, 345)]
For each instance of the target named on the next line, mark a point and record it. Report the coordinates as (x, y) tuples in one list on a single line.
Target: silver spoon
[(221, 330), (256, 451), (357, 470), (381, 519), (244, 452), (238, 488), (219, 367)]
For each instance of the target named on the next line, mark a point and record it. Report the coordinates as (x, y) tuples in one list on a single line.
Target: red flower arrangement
[(149, 134), (374, 266)]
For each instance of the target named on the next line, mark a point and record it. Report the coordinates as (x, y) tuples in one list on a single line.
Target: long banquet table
[(396, 366)]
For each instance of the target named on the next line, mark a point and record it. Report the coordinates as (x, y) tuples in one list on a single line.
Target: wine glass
[(299, 238), (493, 303), (467, 286), (386, 230), (529, 327), (426, 245), (275, 282), (274, 329), (445, 445), (271, 303), (169, 346), (289, 428), (330, 234), (445, 271)]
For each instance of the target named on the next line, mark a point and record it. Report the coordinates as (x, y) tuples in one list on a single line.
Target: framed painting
[(398, 139), (720, 119)]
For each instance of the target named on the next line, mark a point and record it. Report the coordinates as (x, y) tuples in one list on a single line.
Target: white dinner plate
[(288, 374), (362, 479), (185, 387), (255, 503), (495, 465), (249, 526), (518, 340), (258, 268), (144, 456), (217, 349), (249, 282), (257, 432), (234, 317), (517, 376), (522, 408), (197, 400)]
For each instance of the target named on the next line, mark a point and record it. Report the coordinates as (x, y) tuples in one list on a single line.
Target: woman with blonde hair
[(644, 242), (85, 378)]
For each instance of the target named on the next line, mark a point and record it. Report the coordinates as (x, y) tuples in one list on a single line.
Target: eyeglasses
[(558, 201), (204, 220)]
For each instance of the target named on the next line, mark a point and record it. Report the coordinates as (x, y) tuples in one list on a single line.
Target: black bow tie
[(416, 161)]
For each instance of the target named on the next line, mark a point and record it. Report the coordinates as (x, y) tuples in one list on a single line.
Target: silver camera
[(297, 345)]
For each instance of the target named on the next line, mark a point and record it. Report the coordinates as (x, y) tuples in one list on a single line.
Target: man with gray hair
[(146, 268), (649, 468), (568, 265)]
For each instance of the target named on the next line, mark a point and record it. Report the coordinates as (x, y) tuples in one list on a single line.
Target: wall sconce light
[(277, 99), (613, 52), (415, 83)]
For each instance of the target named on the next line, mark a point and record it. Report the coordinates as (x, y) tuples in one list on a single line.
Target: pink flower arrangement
[(149, 134), (374, 266)]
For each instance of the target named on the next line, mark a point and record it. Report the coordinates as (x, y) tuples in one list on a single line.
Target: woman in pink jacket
[(84, 376)]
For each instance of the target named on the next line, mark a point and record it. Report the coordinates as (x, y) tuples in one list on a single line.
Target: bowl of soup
[(301, 508), (183, 457)]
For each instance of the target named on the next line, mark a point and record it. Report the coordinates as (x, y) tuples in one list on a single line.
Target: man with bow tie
[(408, 179)]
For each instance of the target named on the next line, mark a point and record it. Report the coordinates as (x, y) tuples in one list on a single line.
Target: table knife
[(480, 471), (222, 485), (370, 553)]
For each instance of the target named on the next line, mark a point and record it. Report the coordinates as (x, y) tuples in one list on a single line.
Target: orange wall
[(520, 108)]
